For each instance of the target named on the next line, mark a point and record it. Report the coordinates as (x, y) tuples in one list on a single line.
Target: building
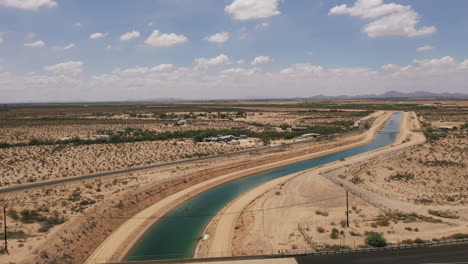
[(225, 138), (102, 137), (181, 122), (310, 135), (234, 142), (448, 127)]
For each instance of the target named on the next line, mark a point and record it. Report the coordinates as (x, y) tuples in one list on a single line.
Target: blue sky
[(424, 40)]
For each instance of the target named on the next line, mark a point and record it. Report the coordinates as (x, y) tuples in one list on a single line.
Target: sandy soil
[(41, 163), (117, 244), (296, 229)]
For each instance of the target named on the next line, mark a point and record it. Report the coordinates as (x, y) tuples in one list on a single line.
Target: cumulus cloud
[(253, 9), (162, 68), (425, 48), (262, 25), (1, 38), (32, 5), (218, 37), (98, 35), (66, 68), (156, 39), (261, 60), (223, 81), (204, 64), (391, 19), (130, 35), (69, 46), (36, 44), (77, 25)]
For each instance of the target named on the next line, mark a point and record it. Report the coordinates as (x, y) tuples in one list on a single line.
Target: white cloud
[(445, 62), (261, 60), (1, 37), (253, 9), (36, 44), (32, 5), (162, 68), (301, 80), (130, 35), (391, 19), (204, 64), (98, 35), (262, 25), (164, 40), (425, 48), (69, 46), (66, 68), (77, 24), (218, 37), (240, 61)]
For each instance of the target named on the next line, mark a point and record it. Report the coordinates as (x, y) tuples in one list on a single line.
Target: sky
[(88, 50)]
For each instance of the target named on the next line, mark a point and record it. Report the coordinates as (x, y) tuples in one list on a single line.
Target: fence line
[(279, 253)]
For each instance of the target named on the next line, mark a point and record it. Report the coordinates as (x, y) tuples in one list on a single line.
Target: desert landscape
[(410, 192), (101, 218)]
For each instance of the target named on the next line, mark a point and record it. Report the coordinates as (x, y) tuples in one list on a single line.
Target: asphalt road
[(429, 255), (104, 174)]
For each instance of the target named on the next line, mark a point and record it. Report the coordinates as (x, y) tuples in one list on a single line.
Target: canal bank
[(116, 246), (177, 233)]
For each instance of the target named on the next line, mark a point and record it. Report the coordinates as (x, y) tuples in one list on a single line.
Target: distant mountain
[(396, 95)]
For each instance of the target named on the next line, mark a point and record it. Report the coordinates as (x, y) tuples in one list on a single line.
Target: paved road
[(429, 255), (447, 254), (97, 175)]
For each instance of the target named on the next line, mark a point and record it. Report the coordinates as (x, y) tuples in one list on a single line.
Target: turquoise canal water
[(176, 234)]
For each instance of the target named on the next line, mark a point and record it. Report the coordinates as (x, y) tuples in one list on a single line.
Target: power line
[(213, 214)]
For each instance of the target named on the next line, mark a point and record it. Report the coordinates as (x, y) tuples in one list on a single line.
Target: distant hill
[(397, 95)]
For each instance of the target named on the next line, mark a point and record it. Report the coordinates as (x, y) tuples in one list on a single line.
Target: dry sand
[(121, 240), (271, 231)]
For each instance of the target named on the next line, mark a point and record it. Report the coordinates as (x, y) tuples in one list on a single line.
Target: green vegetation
[(32, 216), (407, 218), (401, 177), (17, 234), (336, 247), (442, 214), (138, 135), (459, 236), (334, 233), (375, 240)]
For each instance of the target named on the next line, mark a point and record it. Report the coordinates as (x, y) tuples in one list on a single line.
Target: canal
[(177, 233)]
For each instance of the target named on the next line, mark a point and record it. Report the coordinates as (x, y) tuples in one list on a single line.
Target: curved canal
[(176, 234)]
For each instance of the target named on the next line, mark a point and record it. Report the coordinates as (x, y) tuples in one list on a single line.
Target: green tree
[(375, 239)]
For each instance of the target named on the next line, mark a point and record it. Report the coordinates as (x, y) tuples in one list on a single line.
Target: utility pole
[(5, 230), (347, 208)]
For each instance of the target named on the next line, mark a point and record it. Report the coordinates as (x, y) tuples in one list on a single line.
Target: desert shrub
[(375, 239), (383, 222), (419, 241), (442, 214), (459, 236), (356, 179), (320, 229), (401, 177), (343, 223), (322, 213), (334, 233)]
